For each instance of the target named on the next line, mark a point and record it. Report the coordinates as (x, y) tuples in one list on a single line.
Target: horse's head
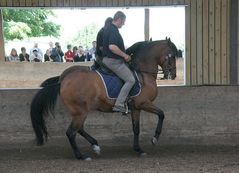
[(167, 60), (148, 55)]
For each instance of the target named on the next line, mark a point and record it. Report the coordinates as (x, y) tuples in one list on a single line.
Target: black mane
[(139, 48), (135, 48), (174, 48), (139, 51)]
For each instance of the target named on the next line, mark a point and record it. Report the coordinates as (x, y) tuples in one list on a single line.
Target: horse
[(73, 88)]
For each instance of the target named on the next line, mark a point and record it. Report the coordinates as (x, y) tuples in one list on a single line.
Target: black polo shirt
[(111, 35), (99, 41)]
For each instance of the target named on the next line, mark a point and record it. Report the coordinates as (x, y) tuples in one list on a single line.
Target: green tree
[(85, 36), (22, 23)]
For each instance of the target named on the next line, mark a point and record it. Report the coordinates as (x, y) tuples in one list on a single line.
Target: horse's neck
[(148, 67), (148, 63), (147, 80)]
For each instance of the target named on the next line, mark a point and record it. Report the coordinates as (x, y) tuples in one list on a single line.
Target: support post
[(146, 24), (233, 41), (2, 49)]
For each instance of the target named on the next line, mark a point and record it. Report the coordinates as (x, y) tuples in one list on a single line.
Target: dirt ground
[(56, 157)]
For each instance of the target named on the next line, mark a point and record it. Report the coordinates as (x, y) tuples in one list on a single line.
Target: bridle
[(166, 64), (167, 60)]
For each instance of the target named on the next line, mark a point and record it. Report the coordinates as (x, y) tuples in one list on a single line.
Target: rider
[(115, 58)]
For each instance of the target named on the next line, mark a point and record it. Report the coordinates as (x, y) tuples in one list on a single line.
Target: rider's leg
[(120, 69)]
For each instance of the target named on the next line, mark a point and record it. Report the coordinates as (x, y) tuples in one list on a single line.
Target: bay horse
[(82, 90)]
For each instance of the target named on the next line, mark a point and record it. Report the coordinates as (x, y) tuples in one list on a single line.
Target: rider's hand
[(127, 58)]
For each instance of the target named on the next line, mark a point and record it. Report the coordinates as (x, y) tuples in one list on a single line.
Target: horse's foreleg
[(71, 134), (149, 107), (135, 114), (159, 126), (91, 140)]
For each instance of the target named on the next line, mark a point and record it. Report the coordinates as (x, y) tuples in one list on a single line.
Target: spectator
[(57, 53), (69, 55), (91, 53), (80, 56), (35, 56), (35, 47), (47, 56), (50, 46), (13, 55), (75, 49), (24, 56)]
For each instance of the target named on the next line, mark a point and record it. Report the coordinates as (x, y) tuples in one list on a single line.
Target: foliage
[(85, 36), (22, 23)]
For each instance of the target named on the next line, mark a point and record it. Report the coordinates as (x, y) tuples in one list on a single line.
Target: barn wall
[(207, 62), (207, 32), (207, 42), (201, 115)]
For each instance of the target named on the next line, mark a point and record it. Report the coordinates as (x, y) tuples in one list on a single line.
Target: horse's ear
[(169, 40), (150, 39), (166, 38)]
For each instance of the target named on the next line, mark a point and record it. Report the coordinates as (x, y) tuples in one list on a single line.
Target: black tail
[(42, 104)]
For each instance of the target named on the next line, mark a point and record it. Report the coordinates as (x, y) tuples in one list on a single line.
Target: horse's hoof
[(82, 157), (140, 152), (96, 149), (143, 154), (87, 159), (154, 141)]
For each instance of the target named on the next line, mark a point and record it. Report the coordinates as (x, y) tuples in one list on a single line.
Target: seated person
[(47, 56), (35, 56), (69, 55), (80, 56), (24, 56), (13, 55), (57, 53)]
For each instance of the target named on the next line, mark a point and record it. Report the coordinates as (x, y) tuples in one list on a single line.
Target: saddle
[(113, 83)]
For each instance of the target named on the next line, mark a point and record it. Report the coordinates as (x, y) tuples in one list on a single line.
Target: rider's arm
[(115, 49)]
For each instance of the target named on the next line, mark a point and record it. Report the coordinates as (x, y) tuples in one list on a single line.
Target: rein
[(156, 73)]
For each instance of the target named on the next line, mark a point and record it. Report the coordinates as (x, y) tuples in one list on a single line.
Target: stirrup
[(127, 108), (121, 109), (127, 111)]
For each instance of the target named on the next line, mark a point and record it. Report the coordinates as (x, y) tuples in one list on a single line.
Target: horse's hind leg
[(91, 140), (71, 132), (135, 114)]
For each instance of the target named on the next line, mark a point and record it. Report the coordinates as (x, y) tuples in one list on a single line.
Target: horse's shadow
[(57, 149)]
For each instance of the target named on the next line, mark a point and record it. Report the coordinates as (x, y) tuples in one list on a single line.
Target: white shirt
[(37, 56)]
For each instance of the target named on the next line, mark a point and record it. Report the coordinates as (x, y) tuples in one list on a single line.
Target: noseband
[(167, 61)]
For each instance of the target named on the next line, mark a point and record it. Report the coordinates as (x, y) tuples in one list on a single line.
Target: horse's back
[(83, 87), (73, 69)]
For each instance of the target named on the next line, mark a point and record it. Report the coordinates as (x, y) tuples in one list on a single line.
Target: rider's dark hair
[(108, 21)]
